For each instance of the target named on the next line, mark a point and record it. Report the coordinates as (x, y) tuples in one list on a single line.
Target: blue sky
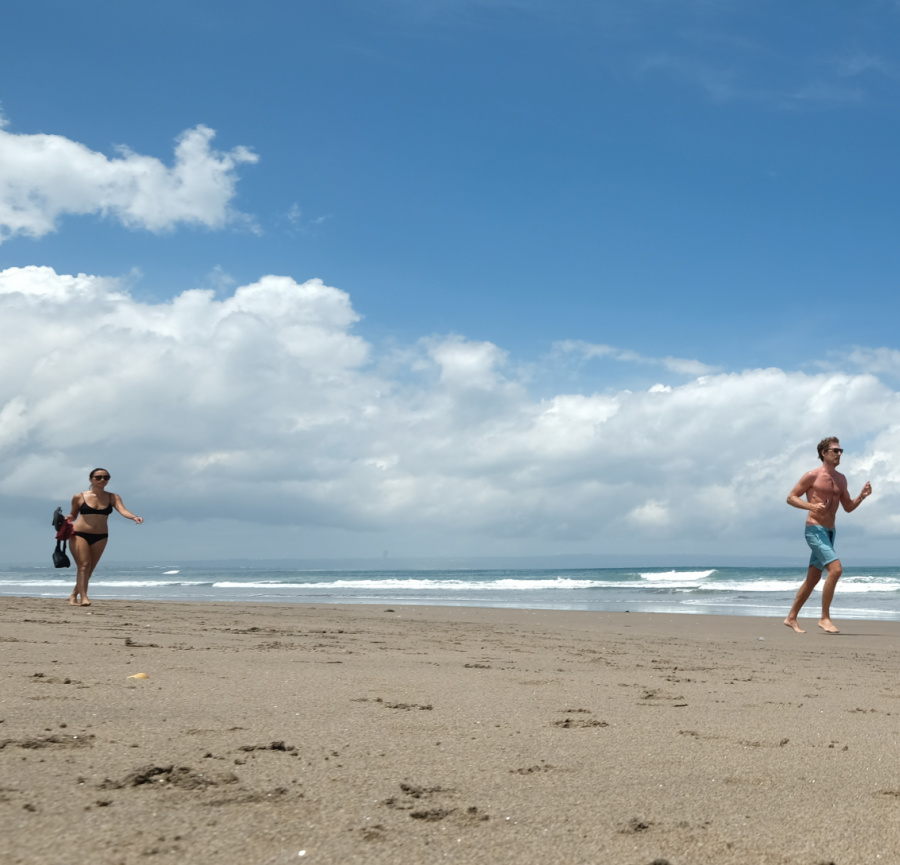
[(696, 188)]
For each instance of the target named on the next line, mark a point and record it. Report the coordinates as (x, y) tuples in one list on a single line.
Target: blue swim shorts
[(821, 542)]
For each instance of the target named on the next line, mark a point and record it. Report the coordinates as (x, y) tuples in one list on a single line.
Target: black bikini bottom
[(91, 538)]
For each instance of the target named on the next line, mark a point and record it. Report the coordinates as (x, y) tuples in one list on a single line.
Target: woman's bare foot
[(86, 602), (73, 599), (792, 624), (828, 626)]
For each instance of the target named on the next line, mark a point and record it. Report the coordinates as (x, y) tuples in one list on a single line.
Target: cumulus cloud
[(44, 177), (267, 407)]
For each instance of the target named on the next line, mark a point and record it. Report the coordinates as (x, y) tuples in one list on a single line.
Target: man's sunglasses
[(834, 450)]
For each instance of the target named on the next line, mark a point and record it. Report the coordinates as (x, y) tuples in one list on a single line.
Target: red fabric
[(66, 531)]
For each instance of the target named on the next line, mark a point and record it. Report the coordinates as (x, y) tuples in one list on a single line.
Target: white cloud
[(266, 408), (826, 93), (652, 514), (44, 177), (875, 360), (467, 364), (13, 425), (295, 215), (862, 62), (299, 223), (589, 351), (717, 82)]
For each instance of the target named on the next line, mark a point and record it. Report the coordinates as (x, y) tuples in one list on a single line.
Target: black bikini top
[(87, 509)]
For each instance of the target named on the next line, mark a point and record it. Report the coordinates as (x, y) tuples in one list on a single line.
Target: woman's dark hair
[(97, 470)]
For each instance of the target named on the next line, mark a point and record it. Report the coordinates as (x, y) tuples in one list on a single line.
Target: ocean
[(863, 593)]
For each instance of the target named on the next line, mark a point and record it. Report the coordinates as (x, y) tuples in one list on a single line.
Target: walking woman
[(90, 511)]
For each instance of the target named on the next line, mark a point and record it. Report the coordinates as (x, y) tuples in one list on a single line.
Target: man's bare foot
[(828, 626), (792, 624), (73, 599)]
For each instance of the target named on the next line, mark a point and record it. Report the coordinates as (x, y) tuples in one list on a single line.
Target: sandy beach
[(343, 734)]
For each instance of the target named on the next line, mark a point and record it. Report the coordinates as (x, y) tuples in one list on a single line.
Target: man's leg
[(834, 571), (813, 575)]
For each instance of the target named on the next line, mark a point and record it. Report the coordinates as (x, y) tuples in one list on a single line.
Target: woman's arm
[(76, 504), (119, 505)]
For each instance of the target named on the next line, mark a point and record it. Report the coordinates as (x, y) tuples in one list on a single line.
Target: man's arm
[(852, 504), (795, 496)]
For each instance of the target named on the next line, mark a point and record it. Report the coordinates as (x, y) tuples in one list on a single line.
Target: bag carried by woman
[(64, 531)]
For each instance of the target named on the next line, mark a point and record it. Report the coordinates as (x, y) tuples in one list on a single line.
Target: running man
[(824, 488)]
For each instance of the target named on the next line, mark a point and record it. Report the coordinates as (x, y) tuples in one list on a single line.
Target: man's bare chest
[(826, 485)]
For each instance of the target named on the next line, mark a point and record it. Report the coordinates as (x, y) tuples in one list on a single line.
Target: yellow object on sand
[(139, 676)]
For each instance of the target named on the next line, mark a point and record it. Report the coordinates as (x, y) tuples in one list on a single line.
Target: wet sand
[(364, 734)]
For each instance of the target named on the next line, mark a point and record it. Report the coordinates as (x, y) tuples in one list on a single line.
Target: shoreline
[(409, 734), (452, 612), (767, 613)]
